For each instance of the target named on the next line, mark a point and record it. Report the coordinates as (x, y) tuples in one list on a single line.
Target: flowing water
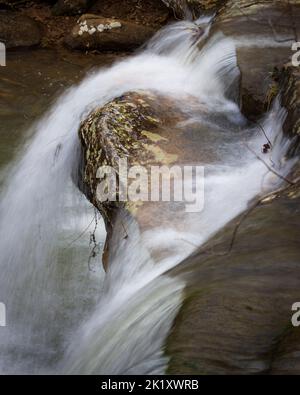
[(63, 317)]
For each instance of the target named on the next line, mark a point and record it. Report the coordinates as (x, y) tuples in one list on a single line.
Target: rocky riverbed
[(109, 24), (235, 317)]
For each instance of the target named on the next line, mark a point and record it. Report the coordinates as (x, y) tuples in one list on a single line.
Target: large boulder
[(93, 32), (150, 129), (18, 30), (140, 127)]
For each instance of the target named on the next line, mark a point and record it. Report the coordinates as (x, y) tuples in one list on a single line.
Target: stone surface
[(149, 130), (147, 12), (194, 7), (71, 7), (236, 317), (289, 85), (18, 31), (139, 127), (264, 32), (94, 32)]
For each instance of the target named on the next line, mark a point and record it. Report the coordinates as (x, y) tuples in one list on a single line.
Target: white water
[(61, 316)]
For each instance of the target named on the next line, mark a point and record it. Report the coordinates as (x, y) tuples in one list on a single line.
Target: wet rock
[(264, 32), (71, 7), (147, 12), (289, 85), (236, 317), (138, 127), (192, 7), (105, 34), (148, 129), (5, 5), (18, 30), (9, 4)]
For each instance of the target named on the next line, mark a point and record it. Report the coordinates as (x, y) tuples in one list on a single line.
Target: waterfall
[(63, 317)]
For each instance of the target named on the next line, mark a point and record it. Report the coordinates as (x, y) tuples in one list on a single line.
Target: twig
[(269, 167), (263, 130), (96, 246), (81, 234), (126, 234)]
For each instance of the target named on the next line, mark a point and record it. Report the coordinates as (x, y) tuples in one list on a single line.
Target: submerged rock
[(18, 30), (95, 32)]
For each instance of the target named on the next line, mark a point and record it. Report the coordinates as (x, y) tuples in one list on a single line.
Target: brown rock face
[(236, 318), (290, 87), (147, 12), (18, 31), (71, 7), (149, 129), (105, 34), (142, 128), (264, 31)]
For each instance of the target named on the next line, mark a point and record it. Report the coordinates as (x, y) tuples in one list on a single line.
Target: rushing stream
[(63, 316)]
